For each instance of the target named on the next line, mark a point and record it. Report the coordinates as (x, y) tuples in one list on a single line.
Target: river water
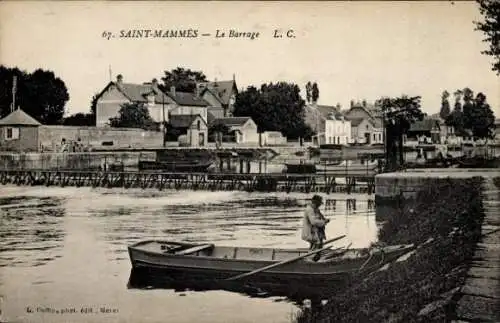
[(65, 249)]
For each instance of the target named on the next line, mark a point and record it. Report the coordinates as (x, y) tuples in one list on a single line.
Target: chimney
[(154, 82), (172, 90), (199, 89), (119, 81)]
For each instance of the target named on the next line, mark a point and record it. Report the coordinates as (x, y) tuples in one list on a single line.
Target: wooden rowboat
[(222, 262)]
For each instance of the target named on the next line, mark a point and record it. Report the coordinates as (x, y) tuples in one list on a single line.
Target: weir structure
[(272, 182)]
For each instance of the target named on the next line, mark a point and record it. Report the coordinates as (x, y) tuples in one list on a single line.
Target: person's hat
[(317, 198)]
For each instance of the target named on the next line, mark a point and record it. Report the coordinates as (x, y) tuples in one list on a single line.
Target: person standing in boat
[(313, 224)]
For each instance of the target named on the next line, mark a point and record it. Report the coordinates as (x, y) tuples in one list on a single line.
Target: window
[(12, 133), (198, 126)]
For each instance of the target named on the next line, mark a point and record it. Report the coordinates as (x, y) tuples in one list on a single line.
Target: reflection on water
[(146, 279), (68, 246), (30, 230)]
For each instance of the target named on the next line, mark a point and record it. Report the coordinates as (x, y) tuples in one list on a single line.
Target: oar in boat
[(256, 271)]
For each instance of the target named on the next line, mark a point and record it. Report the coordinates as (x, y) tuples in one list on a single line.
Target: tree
[(456, 118), (315, 92), (80, 119), (184, 80), (480, 118), (40, 94), (133, 115), (274, 107), (308, 92), (445, 105), (398, 115), (458, 97), (93, 104), (490, 10), (468, 98)]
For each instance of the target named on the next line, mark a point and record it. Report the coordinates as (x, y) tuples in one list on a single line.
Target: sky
[(353, 50)]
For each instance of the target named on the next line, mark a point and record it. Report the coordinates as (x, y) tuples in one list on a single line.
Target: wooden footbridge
[(353, 182)]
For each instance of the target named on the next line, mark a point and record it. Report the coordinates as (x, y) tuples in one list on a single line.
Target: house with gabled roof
[(19, 132), (427, 130), (221, 96), (186, 103), (192, 127), (115, 94), (162, 105), (366, 124), (242, 130)]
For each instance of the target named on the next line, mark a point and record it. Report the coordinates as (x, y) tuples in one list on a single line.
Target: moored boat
[(222, 262), (300, 168), (345, 167), (168, 166), (479, 162)]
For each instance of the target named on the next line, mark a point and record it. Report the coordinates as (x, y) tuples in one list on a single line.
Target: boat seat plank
[(194, 249), (170, 249)]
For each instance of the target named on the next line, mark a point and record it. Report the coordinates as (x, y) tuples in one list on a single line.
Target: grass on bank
[(445, 221)]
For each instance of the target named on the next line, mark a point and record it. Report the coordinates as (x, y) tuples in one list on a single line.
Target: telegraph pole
[(163, 114), (14, 90)]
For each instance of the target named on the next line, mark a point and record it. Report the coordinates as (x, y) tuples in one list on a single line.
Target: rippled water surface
[(66, 248)]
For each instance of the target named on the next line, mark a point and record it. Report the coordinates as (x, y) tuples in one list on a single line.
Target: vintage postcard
[(184, 161)]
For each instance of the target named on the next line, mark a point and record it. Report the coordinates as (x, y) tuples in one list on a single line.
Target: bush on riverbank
[(445, 222)]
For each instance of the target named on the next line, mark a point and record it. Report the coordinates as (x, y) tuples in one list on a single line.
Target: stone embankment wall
[(50, 137), (81, 161)]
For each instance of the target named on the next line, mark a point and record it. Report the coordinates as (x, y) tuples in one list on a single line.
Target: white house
[(329, 124), (243, 129), (337, 131), (366, 124)]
